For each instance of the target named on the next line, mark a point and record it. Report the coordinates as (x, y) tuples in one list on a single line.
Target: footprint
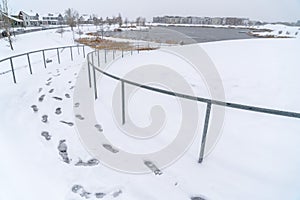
[(76, 188), (99, 195), (46, 135), (35, 108), (40, 89), (58, 98), (49, 83), (56, 75), (45, 118), (91, 162), (110, 148), (49, 79), (76, 105), (62, 148), (197, 198), (41, 98), (117, 193), (70, 82), (99, 127), (68, 123), (153, 167), (50, 91), (67, 95), (79, 117), (58, 111), (81, 191), (72, 87)]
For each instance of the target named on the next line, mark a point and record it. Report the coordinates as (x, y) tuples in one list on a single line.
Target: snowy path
[(257, 156)]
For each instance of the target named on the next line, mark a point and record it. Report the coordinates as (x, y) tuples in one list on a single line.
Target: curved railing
[(27, 54), (207, 101)]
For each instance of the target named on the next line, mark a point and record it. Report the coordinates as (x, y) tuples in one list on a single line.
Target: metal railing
[(209, 102), (42, 51)]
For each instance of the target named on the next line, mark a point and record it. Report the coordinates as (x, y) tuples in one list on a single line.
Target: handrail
[(202, 99), (43, 54), (36, 51), (208, 101)]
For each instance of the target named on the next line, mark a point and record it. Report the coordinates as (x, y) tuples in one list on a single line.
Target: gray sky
[(266, 10)]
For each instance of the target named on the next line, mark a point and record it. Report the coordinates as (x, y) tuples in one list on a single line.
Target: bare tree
[(119, 20), (126, 22), (140, 21), (96, 21), (6, 21), (71, 18)]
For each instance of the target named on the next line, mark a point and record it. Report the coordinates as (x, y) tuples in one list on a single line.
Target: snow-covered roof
[(12, 18), (85, 17), (29, 13)]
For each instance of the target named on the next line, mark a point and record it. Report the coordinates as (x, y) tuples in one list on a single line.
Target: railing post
[(98, 58), (113, 54), (122, 53), (205, 129), (123, 101), (29, 64), (58, 58), (94, 76), (78, 50), (83, 51), (131, 51), (12, 69), (105, 55), (44, 58), (71, 53), (89, 71)]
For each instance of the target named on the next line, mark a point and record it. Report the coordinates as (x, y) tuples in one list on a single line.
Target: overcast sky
[(266, 10)]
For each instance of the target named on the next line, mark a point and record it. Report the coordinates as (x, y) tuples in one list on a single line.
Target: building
[(52, 19), (236, 21), (217, 21), (29, 18), (86, 19), (202, 20), (14, 21)]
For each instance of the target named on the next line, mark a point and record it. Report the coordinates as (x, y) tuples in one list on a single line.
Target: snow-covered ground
[(257, 156), (278, 30)]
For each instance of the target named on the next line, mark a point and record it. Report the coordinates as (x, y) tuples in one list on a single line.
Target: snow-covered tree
[(71, 16), (6, 23)]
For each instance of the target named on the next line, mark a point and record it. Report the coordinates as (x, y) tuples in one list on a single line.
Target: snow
[(278, 30), (257, 156)]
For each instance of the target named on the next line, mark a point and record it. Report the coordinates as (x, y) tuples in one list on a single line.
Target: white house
[(86, 19), (51, 19), (29, 18)]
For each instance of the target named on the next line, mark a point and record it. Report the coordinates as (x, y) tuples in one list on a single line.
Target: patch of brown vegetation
[(98, 43)]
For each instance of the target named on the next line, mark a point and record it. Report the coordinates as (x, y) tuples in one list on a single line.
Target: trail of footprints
[(78, 189), (62, 146)]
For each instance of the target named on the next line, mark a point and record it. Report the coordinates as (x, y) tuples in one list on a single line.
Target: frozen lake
[(187, 35)]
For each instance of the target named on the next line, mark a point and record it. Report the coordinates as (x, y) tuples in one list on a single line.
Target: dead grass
[(98, 43)]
